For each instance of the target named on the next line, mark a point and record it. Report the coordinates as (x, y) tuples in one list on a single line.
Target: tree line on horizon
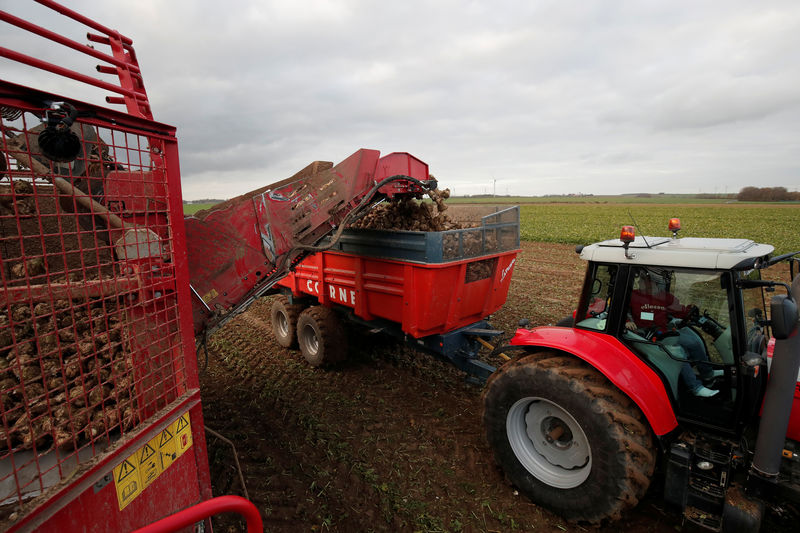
[(767, 194)]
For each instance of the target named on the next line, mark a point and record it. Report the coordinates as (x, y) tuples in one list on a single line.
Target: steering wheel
[(692, 317)]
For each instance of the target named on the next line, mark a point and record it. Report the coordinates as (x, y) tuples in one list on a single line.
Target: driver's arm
[(676, 309)]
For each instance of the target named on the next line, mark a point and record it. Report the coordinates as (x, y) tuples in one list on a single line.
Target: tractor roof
[(725, 254)]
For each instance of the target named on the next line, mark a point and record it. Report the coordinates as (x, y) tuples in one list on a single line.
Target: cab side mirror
[(783, 312)]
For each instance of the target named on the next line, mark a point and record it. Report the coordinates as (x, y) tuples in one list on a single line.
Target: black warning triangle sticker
[(147, 453), (166, 436), (125, 470), (182, 423)]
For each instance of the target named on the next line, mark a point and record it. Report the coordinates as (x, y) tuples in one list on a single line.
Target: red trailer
[(433, 289)]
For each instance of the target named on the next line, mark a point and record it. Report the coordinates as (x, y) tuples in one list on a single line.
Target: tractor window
[(679, 321), (755, 319), (665, 301), (599, 297)]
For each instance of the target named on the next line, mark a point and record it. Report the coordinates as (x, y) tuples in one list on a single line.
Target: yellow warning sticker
[(143, 466), (166, 448), (149, 463), (126, 479), (183, 434)]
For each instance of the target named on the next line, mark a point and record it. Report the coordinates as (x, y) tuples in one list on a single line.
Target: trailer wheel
[(567, 438), (320, 336), (284, 321)]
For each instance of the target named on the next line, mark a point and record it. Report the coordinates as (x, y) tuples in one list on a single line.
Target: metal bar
[(83, 20), (72, 291), (199, 298), (235, 458), (69, 43), (503, 356), (16, 151), (206, 509), (67, 73)]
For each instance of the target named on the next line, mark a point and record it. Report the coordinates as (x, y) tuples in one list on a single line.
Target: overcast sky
[(513, 97)]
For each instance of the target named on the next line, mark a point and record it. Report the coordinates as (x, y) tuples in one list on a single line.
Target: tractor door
[(752, 313), (683, 324), (595, 310)]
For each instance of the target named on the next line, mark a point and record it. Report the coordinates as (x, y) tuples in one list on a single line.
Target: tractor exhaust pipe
[(782, 383)]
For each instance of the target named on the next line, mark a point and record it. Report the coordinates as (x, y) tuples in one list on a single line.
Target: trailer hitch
[(485, 344)]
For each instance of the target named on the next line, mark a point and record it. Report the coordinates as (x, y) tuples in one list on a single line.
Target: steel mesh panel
[(89, 344)]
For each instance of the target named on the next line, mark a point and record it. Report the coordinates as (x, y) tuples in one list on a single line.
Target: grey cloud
[(545, 97), (713, 100)]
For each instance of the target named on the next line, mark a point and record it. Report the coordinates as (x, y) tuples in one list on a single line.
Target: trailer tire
[(320, 336), (284, 321), (568, 438)]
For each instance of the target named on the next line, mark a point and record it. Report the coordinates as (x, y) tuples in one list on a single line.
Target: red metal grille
[(89, 336)]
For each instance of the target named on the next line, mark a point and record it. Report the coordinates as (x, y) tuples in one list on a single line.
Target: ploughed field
[(389, 440)]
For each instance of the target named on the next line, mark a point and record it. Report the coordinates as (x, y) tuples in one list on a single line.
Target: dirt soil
[(391, 439)]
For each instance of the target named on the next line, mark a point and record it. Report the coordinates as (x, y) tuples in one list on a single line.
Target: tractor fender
[(616, 362)]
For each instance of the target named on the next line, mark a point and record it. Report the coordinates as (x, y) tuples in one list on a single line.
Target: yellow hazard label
[(126, 479), (183, 434), (166, 448), (149, 464), (143, 466)]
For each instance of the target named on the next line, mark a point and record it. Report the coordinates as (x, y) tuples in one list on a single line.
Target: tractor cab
[(693, 310)]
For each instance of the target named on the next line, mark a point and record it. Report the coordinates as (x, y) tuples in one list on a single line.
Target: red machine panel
[(100, 420), (241, 245), (424, 298)]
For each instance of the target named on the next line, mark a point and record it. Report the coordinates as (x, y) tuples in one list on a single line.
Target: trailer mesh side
[(89, 342)]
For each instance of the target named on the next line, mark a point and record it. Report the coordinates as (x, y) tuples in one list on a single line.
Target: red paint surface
[(425, 299), (615, 361)]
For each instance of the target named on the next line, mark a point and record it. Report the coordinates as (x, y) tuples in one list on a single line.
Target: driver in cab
[(654, 309)]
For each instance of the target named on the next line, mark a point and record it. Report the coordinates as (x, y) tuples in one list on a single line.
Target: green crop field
[(191, 209), (774, 224), (617, 199)]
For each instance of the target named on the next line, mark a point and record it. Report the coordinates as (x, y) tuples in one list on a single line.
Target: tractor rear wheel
[(320, 336), (284, 321), (567, 438)]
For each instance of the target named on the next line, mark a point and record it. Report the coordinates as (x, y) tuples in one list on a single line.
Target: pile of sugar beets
[(66, 373), (65, 377), (411, 214)]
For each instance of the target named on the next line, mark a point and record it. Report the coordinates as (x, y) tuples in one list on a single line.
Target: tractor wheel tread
[(598, 404)]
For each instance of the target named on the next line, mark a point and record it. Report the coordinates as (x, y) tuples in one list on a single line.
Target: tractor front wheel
[(320, 336), (284, 321), (567, 438)]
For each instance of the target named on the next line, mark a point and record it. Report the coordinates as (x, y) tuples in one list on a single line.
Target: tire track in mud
[(386, 442), (252, 406)]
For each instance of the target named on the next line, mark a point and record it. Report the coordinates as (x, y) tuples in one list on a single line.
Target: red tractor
[(667, 363)]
